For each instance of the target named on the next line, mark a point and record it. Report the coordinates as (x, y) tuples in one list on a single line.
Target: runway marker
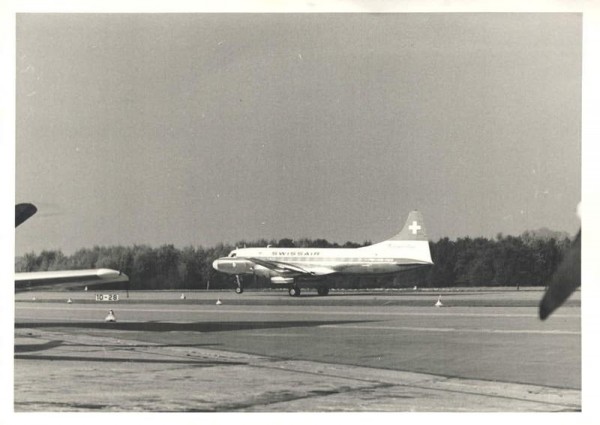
[(182, 296), (219, 301), (78, 320), (69, 301), (111, 317), (466, 330), (439, 302)]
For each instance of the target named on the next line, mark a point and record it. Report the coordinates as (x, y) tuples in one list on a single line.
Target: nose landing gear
[(240, 284), (294, 291)]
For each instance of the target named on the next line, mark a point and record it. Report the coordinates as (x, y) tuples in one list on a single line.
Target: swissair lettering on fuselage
[(294, 253)]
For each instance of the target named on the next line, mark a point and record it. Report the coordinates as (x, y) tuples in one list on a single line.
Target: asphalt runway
[(266, 351)]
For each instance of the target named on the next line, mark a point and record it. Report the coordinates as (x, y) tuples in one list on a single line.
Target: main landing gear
[(240, 285), (322, 290), (294, 291)]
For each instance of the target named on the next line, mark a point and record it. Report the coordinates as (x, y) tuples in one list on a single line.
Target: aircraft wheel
[(240, 286), (322, 290), (294, 291)]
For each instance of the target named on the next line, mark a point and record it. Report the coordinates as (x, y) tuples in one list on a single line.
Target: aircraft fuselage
[(406, 250), (321, 261)]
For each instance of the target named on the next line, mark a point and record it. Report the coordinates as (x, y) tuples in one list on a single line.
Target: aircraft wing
[(23, 212), (566, 279), (66, 278), (286, 268)]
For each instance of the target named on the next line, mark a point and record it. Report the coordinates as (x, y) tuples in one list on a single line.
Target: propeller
[(126, 285), (120, 268)]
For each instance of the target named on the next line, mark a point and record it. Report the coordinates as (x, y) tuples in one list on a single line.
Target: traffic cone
[(69, 301), (219, 301), (439, 302), (182, 296), (111, 317)]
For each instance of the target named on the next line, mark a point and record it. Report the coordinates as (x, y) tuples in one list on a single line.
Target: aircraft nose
[(215, 264)]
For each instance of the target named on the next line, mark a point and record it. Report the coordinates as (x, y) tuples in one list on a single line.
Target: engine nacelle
[(233, 265), (278, 280)]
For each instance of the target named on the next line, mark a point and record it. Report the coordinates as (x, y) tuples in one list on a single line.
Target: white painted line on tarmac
[(71, 319), (465, 330), (433, 312), (280, 335)]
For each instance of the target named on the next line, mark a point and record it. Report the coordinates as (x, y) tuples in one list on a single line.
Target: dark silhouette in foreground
[(565, 280), (23, 212)]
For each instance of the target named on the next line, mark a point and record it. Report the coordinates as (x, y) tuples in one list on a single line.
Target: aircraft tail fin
[(411, 243), (413, 230)]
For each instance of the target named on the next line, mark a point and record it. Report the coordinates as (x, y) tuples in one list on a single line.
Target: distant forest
[(526, 260)]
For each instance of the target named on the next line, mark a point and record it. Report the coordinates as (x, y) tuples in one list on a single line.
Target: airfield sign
[(107, 297)]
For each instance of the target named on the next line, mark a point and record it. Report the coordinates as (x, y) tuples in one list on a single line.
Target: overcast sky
[(196, 129)]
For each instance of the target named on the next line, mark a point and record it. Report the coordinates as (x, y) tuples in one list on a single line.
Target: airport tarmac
[(483, 350)]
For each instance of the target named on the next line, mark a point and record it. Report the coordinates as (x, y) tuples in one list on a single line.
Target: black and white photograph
[(298, 210)]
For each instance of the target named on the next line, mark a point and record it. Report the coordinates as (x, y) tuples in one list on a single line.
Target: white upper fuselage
[(408, 252)]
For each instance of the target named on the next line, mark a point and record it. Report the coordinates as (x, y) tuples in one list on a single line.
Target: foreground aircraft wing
[(66, 278), (61, 278), (23, 212), (281, 267), (566, 279)]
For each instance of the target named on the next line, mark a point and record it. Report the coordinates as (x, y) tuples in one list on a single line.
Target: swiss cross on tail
[(414, 227)]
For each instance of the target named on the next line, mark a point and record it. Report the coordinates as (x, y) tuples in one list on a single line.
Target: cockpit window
[(232, 254)]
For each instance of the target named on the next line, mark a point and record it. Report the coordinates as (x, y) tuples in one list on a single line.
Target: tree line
[(529, 259)]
